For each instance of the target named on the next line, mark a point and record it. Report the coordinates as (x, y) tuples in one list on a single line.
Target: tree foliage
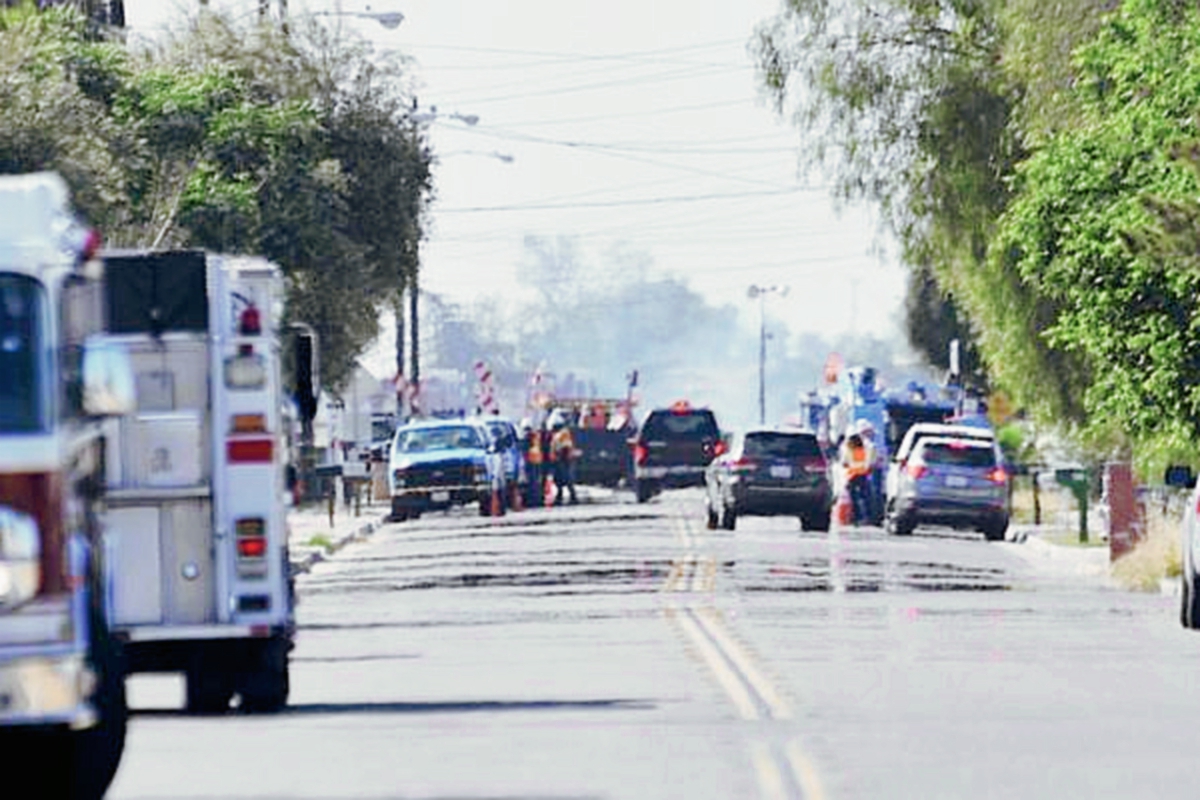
[(296, 146), (1095, 231)]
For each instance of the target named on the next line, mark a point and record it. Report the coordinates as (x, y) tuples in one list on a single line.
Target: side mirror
[(1180, 477), (108, 385)]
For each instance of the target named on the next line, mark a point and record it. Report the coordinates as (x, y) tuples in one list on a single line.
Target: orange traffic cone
[(548, 494), (843, 510), (497, 508)]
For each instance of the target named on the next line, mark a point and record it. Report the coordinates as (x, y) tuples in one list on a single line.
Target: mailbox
[(1078, 481)]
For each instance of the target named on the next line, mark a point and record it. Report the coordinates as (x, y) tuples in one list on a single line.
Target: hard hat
[(526, 425), (864, 426)]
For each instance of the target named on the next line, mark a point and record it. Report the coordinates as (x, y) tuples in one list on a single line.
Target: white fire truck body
[(197, 488)]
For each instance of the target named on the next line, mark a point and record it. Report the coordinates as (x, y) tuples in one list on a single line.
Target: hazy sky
[(633, 122)]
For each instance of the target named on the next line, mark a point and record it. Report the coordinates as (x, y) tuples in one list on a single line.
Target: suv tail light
[(815, 466), (916, 470), (998, 475), (744, 466), (719, 449), (640, 453)]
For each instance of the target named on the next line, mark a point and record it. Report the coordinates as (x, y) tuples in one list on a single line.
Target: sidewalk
[(312, 539), (1059, 559)]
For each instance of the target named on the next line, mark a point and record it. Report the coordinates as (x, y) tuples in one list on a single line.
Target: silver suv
[(961, 483)]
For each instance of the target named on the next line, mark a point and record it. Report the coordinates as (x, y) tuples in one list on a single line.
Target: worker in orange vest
[(531, 443), (562, 453), (856, 466)]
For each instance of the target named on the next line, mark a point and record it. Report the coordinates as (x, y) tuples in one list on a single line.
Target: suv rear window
[(781, 445), (680, 425), (958, 456)]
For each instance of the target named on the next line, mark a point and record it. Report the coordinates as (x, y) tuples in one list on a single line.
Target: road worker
[(531, 444), (856, 466), (563, 454), (878, 473)]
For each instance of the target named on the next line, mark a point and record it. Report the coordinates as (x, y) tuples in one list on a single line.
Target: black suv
[(672, 449)]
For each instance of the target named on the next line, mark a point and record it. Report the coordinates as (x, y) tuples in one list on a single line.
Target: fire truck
[(62, 689), (198, 475)]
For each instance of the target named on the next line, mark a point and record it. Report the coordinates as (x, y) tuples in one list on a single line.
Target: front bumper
[(47, 690), (432, 497)]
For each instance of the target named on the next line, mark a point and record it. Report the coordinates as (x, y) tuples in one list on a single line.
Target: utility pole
[(761, 292), (415, 381)]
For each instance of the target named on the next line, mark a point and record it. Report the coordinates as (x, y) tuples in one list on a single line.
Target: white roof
[(973, 431)]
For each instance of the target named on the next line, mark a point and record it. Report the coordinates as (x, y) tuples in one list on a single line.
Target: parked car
[(922, 430), (672, 449), (507, 442), (438, 464), (957, 482), (770, 472), (1182, 477)]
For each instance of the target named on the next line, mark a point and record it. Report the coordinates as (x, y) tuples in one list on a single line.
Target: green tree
[(1097, 231)]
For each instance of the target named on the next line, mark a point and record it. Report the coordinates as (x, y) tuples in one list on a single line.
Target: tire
[(817, 520), (728, 519), (95, 753), (265, 688), (898, 525), (1189, 611), (995, 529), (644, 491), (209, 689)]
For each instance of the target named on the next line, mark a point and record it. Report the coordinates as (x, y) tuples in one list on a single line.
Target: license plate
[(440, 497), (956, 481), (784, 472)]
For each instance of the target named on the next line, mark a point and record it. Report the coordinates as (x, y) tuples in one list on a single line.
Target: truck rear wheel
[(265, 685), (209, 689)]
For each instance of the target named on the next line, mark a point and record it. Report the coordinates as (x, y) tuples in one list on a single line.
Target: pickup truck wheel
[(96, 752), (264, 689), (899, 525)]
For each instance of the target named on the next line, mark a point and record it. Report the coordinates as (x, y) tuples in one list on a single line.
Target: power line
[(618, 203)]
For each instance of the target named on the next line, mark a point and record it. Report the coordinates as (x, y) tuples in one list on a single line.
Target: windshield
[(776, 445), (423, 440), (693, 425), (23, 396), (956, 455)]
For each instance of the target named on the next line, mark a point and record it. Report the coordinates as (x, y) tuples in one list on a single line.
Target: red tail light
[(640, 454), (916, 470), (815, 465), (249, 451), (255, 547), (998, 475), (744, 465), (719, 449)]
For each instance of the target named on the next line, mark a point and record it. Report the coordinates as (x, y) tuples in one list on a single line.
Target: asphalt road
[(617, 650)]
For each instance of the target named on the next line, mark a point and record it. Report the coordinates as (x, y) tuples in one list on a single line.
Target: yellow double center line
[(752, 693)]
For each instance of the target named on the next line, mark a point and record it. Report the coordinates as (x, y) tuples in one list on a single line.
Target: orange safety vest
[(859, 463), (562, 444), (535, 447)]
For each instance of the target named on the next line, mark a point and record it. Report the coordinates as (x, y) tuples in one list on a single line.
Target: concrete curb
[(304, 558), (1063, 559)]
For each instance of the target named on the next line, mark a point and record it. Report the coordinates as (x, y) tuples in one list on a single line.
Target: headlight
[(20, 554), (481, 473)]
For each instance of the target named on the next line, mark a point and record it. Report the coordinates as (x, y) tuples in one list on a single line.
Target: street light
[(432, 115), (388, 19), (761, 292), (496, 154)]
